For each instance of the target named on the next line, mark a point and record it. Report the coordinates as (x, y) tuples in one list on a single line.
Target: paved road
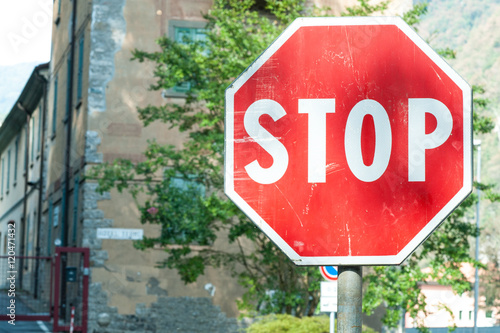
[(26, 327)]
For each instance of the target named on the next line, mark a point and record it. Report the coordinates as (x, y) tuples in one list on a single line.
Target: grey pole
[(476, 278), (332, 322), (350, 299)]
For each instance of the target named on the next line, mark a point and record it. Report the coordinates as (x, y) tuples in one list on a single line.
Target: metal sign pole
[(332, 322), (350, 299)]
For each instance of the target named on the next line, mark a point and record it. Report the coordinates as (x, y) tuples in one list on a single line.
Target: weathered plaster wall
[(168, 314), (125, 286), (108, 30)]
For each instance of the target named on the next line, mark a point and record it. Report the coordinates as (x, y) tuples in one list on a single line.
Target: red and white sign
[(348, 141), (329, 273)]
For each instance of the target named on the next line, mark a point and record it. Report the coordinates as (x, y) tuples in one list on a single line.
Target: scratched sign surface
[(348, 141)]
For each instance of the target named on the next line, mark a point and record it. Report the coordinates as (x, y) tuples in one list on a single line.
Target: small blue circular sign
[(330, 273)]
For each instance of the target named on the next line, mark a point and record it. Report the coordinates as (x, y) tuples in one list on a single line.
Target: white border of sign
[(432, 225)]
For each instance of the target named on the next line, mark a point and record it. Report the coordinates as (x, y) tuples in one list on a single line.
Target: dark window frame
[(54, 107), (79, 82), (173, 25)]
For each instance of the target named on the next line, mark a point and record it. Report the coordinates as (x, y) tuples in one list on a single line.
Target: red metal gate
[(45, 288), (71, 288)]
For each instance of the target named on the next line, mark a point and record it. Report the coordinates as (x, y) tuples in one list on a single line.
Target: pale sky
[(25, 31)]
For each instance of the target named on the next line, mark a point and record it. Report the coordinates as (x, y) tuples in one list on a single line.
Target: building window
[(489, 314), (54, 109), (184, 32), (186, 185), (470, 315), (8, 171), (459, 315), (80, 71), (31, 234), (186, 35), (39, 143), (32, 139), (3, 176), (16, 157), (49, 227), (68, 88), (185, 191), (26, 147), (55, 216)]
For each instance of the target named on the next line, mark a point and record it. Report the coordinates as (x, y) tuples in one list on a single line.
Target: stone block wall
[(167, 315)]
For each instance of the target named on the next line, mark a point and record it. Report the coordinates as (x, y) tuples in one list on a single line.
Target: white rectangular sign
[(329, 288), (328, 297), (328, 304), (119, 233)]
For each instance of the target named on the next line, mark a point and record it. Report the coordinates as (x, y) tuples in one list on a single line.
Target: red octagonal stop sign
[(348, 141)]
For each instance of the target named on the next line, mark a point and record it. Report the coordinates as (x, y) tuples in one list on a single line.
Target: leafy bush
[(283, 323)]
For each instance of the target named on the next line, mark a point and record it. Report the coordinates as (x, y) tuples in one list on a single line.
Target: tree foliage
[(181, 189), (283, 323)]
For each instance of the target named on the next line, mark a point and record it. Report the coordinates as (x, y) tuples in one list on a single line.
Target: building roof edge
[(26, 103)]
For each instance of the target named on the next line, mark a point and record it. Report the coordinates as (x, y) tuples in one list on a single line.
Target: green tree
[(181, 189), (282, 323)]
